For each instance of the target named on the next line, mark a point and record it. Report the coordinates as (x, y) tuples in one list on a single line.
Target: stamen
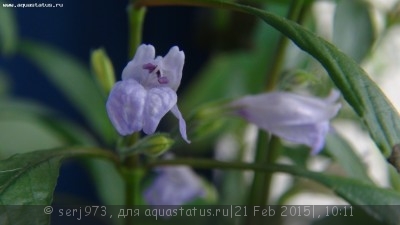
[(150, 67), (163, 80)]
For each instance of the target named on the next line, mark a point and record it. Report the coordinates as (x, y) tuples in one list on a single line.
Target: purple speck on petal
[(163, 80), (150, 67)]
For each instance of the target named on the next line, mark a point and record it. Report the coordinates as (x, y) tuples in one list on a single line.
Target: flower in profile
[(174, 186), (296, 118), (147, 92)]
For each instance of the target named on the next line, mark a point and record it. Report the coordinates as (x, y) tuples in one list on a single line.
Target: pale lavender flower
[(174, 186), (147, 92), (296, 118)]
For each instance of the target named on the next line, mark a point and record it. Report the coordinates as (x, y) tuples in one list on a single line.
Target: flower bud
[(207, 120), (153, 145), (103, 69)]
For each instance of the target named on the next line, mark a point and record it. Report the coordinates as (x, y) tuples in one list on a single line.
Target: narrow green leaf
[(75, 81), (26, 126), (8, 30), (373, 200), (30, 179), (135, 21), (353, 31), (343, 154), (378, 202), (367, 100), (108, 181)]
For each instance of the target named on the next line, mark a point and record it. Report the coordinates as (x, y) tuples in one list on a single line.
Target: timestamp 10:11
[(339, 210)]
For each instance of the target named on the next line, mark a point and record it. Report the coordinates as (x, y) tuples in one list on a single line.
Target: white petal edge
[(134, 69), (182, 123), (172, 66)]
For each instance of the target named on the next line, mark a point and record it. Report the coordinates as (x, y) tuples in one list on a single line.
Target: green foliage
[(29, 177), (8, 31), (74, 80), (20, 176), (343, 154), (26, 126), (357, 88), (353, 17)]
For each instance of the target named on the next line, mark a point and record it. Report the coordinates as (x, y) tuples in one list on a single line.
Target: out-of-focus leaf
[(107, 180), (234, 74), (5, 84), (367, 100), (29, 179), (8, 30), (374, 200), (25, 133), (353, 31), (26, 126), (343, 153), (378, 202), (75, 82)]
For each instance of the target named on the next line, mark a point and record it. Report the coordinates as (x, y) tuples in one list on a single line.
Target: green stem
[(272, 156), (273, 74), (135, 18), (267, 153), (258, 180), (296, 12), (132, 174)]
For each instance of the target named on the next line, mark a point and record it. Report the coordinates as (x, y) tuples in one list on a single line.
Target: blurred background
[(78, 28), (228, 38)]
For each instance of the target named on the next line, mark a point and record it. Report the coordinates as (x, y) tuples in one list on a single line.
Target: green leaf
[(353, 31), (75, 81), (367, 100), (108, 181), (358, 89), (373, 200), (26, 126), (30, 178), (343, 153), (378, 202), (8, 30)]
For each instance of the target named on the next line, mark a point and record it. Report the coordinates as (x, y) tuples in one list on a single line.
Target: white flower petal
[(182, 123), (296, 118), (277, 108), (172, 66), (174, 186), (158, 102), (312, 135), (125, 106), (134, 69)]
